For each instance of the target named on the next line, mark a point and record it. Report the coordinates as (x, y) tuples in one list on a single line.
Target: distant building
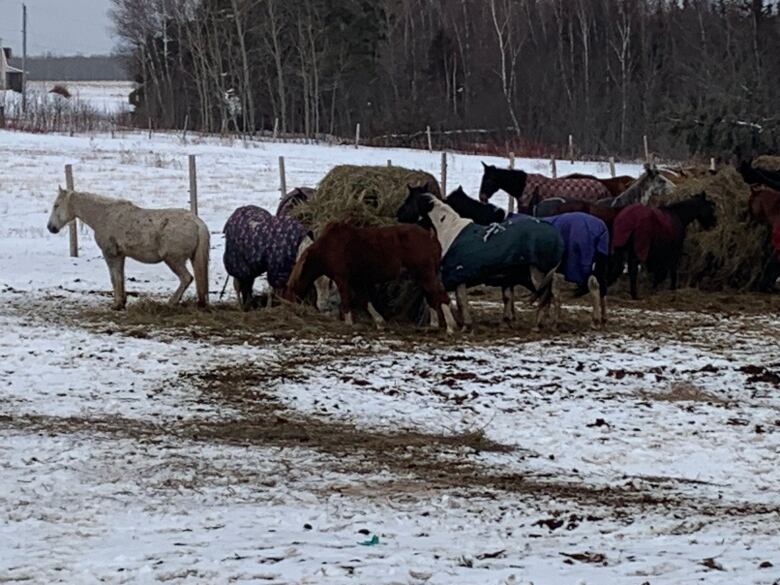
[(10, 77)]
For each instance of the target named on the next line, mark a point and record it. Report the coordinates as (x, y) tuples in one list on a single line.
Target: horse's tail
[(200, 264), (544, 289)]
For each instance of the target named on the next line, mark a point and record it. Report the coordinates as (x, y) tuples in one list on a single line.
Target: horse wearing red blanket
[(654, 237), (357, 258), (764, 206)]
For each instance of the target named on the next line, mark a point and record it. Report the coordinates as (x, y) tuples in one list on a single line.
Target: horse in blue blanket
[(256, 242), (586, 254), (502, 255)]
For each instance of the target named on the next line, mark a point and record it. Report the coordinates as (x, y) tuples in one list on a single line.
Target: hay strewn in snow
[(733, 253), (364, 195)]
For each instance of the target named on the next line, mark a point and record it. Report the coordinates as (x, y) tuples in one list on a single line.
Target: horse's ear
[(483, 164)]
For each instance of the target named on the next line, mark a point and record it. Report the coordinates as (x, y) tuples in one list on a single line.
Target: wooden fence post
[(510, 206), (389, 163), (444, 174), (193, 186), (430, 142), (2, 117), (571, 149), (72, 229), (647, 150), (713, 168), (282, 177), (553, 168), (612, 166), (357, 134), (148, 123)]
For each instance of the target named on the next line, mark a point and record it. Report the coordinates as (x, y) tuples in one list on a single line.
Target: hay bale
[(767, 162), (734, 252), (363, 195)]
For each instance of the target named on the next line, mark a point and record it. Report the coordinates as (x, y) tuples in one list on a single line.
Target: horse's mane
[(97, 197)]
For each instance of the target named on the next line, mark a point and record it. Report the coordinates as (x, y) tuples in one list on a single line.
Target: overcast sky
[(65, 27)]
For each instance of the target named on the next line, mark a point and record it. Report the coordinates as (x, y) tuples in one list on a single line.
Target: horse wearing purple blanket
[(585, 257), (258, 243)]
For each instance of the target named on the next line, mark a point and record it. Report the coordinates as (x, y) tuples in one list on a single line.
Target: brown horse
[(764, 206), (356, 258), (616, 185)]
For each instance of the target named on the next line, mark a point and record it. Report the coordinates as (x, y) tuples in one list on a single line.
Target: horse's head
[(458, 193), (489, 184), (61, 213), (706, 216), (416, 207)]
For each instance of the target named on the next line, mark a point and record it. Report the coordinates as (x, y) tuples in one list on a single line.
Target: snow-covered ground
[(105, 97), (646, 453)]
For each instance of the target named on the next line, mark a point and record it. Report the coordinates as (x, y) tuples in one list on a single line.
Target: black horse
[(496, 179), (655, 237), (480, 213)]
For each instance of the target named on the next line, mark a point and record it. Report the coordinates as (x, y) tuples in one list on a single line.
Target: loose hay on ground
[(734, 252)]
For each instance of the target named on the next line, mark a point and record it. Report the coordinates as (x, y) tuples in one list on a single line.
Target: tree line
[(699, 77), (73, 68)]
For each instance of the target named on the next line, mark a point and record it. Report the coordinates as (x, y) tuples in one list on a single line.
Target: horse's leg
[(595, 297), (345, 305), (269, 301), (673, 264), (600, 271), (508, 298), (433, 314), (379, 321), (237, 288), (436, 296), (463, 304), (557, 286), (179, 268), (633, 269), (116, 269)]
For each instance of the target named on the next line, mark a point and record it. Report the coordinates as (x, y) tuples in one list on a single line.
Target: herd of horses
[(578, 228)]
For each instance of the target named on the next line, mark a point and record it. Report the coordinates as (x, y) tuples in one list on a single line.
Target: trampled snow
[(636, 455)]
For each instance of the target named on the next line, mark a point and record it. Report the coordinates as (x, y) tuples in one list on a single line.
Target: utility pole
[(24, 57)]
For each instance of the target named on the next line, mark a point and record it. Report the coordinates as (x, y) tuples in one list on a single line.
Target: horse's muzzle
[(484, 198), (52, 228)]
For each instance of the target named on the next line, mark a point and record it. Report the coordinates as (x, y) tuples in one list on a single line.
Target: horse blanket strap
[(257, 242), (476, 257), (545, 187), (292, 199), (647, 225)]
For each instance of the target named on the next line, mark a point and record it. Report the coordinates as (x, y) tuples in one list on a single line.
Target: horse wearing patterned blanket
[(258, 243), (523, 186)]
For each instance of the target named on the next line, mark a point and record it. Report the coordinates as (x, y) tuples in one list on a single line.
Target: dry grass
[(364, 195), (767, 162)]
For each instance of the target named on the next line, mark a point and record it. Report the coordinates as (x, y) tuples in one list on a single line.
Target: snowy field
[(168, 447), (104, 97)]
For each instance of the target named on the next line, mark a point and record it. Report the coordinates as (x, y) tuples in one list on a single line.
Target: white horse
[(448, 225), (123, 229)]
